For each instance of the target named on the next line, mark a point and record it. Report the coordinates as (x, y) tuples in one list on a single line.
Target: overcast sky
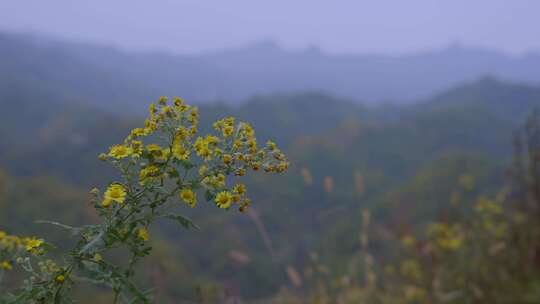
[(338, 26)]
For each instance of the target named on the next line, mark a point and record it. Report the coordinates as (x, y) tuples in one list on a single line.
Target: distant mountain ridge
[(117, 79)]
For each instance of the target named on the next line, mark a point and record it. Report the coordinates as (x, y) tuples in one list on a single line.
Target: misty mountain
[(113, 78), (267, 68), (402, 162)]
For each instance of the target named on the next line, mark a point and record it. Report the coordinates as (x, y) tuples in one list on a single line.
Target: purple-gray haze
[(339, 26)]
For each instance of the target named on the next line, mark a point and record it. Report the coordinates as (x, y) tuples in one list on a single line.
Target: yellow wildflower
[(33, 244), (158, 152), (98, 258), (271, 145), (166, 110), (149, 126), (60, 278), (220, 180), (202, 170), (237, 144), (229, 121), (252, 144), (193, 115), (137, 132), (216, 181), (248, 130), (120, 151), (255, 166), (211, 139), (181, 134), (180, 152), (136, 147), (163, 100), (183, 108), (178, 101), (282, 166), (240, 172), (142, 233), (6, 265), (227, 158), (152, 109), (278, 155), (149, 174), (224, 199), (116, 193), (153, 148), (240, 189), (201, 147), (106, 202), (244, 205), (218, 152), (228, 131), (188, 196)]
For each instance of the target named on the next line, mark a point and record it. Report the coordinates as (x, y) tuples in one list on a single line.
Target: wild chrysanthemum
[(97, 257), (137, 132), (115, 193), (149, 174), (137, 147), (201, 147), (6, 265), (227, 158), (224, 199), (228, 131), (32, 245), (120, 151), (180, 152), (188, 196), (142, 233), (240, 189)]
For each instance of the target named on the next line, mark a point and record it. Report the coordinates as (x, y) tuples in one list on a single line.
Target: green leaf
[(182, 220)]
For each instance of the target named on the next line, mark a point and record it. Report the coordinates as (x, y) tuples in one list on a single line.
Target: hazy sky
[(338, 26)]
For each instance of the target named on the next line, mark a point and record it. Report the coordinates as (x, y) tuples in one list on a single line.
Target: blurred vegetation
[(478, 248)]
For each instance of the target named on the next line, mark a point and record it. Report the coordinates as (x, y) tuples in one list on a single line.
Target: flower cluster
[(12, 247), (164, 166), (232, 151)]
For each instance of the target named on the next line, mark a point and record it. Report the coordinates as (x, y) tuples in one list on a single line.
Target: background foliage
[(411, 166)]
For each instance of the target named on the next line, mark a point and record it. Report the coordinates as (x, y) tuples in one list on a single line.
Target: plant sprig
[(163, 165)]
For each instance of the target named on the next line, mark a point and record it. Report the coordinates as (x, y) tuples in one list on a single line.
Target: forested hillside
[(401, 162)]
